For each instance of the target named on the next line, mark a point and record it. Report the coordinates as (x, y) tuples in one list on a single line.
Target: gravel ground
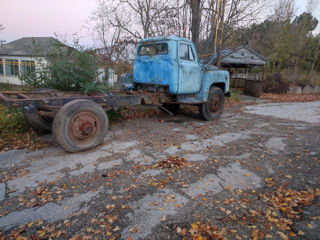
[(167, 177)]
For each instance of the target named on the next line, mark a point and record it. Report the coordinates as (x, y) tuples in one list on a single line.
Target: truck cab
[(169, 67)]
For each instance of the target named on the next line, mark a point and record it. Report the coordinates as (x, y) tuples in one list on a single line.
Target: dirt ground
[(252, 174)]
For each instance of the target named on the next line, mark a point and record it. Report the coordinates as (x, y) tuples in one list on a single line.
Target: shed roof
[(243, 55), (31, 46)]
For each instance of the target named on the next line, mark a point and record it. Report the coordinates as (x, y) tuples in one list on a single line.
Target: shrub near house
[(46, 62)]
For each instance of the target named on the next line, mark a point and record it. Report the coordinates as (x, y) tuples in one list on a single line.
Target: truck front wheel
[(213, 108), (80, 125)]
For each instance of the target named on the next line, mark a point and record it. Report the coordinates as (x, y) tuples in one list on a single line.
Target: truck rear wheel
[(36, 121), (213, 108), (80, 125)]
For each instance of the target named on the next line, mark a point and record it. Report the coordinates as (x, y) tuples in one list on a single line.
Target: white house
[(23, 55)]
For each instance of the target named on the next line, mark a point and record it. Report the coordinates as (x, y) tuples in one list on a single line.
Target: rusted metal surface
[(47, 114), (214, 103), (83, 127), (112, 100), (48, 104)]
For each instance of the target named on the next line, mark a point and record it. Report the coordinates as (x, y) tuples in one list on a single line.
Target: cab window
[(186, 52), (153, 49)]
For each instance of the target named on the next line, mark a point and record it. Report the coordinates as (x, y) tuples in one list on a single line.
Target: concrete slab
[(305, 111), (49, 212), (2, 191), (276, 144), (147, 214)]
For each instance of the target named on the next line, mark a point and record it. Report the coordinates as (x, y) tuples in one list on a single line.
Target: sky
[(43, 18)]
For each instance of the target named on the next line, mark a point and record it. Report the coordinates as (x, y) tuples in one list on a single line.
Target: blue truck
[(166, 72)]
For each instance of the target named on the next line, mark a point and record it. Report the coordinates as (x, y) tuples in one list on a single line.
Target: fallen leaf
[(194, 226), (67, 223), (292, 234), (133, 230), (283, 236)]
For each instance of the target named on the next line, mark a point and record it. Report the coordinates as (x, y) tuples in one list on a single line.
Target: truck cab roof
[(164, 38)]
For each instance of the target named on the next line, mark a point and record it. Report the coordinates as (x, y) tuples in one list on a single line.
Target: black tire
[(213, 108), (174, 108), (36, 121), (80, 125)]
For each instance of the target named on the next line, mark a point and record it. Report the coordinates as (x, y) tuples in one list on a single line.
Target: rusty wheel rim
[(215, 103), (83, 127)]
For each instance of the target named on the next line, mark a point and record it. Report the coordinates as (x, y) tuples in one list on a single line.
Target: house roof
[(243, 55), (31, 46)]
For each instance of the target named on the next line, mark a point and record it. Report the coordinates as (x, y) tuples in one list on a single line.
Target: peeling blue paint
[(180, 75), (210, 78), (158, 69)]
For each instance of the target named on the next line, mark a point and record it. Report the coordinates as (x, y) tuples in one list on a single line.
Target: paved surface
[(118, 189)]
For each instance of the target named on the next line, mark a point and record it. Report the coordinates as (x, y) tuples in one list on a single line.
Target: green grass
[(235, 94), (15, 132), (114, 115), (12, 120), (9, 87)]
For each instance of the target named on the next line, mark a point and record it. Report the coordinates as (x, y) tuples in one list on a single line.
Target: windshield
[(153, 49)]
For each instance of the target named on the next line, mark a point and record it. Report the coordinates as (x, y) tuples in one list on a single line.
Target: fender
[(211, 78)]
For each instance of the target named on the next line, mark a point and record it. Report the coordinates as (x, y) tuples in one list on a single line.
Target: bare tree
[(120, 22), (196, 18), (312, 5), (284, 10)]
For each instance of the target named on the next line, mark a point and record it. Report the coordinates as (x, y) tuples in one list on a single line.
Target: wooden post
[(221, 34), (217, 27)]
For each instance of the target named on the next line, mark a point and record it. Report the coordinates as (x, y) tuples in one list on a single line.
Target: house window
[(12, 67), (1, 67), (27, 66)]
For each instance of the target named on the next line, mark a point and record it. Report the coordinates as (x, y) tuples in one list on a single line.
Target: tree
[(124, 22), (196, 17), (69, 69), (1, 28)]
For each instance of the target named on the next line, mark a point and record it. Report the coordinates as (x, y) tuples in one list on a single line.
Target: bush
[(275, 83), (9, 87), (12, 120), (235, 94), (69, 69)]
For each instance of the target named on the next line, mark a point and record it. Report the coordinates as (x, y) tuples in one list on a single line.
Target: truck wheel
[(36, 121), (80, 125), (213, 108), (174, 108)]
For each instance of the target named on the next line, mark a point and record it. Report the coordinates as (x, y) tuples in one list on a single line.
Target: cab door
[(189, 69)]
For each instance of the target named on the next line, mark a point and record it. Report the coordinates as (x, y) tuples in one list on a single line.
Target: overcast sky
[(36, 18)]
